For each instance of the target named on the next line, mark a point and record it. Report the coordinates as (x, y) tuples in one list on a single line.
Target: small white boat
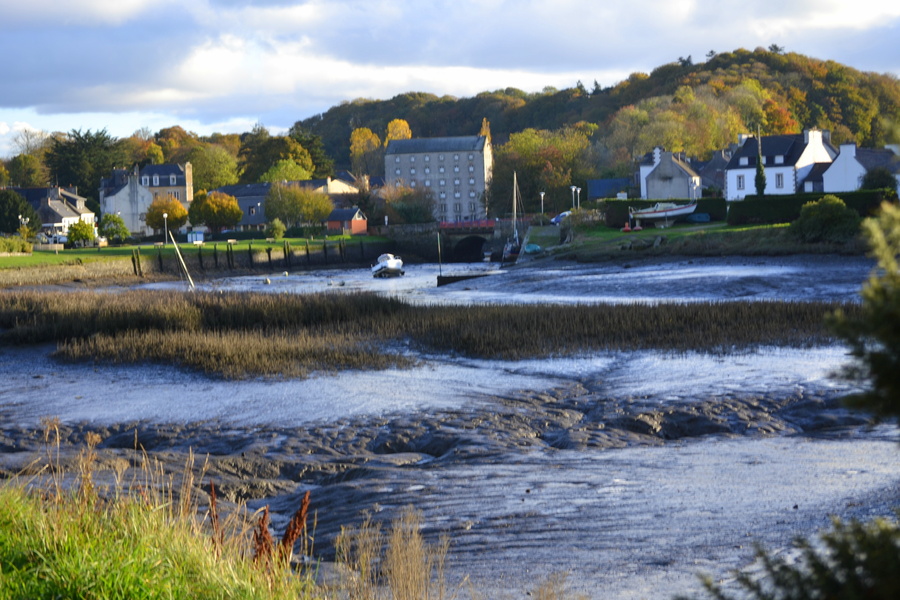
[(388, 265), (664, 211)]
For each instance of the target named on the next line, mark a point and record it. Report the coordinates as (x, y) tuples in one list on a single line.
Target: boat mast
[(515, 202)]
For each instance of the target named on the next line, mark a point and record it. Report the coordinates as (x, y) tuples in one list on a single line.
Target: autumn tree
[(265, 152), (216, 210), (398, 129), (366, 155), (324, 165), (402, 204), (176, 214)]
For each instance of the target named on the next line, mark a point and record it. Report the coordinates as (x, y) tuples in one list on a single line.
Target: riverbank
[(629, 471)]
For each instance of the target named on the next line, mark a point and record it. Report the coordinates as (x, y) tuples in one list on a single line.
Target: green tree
[(81, 231), (275, 229), (4, 175), (879, 178), (285, 170), (113, 227), (324, 165), (407, 205), (366, 157), (760, 178), (216, 210), (81, 159), (213, 167), (27, 170), (874, 335), (265, 153), (13, 210), (176, 214), (295, 205)]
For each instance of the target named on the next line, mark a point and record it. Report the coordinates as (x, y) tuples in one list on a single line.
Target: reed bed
[(240, 335)]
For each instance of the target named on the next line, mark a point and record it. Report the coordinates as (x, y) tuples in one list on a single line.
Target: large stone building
[(455, 170), (129, 194)]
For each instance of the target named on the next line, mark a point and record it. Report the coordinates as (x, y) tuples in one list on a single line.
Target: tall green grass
[(244, 334)]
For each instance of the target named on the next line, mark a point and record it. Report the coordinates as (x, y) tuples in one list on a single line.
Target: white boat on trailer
[(388, 265), (661, 211)]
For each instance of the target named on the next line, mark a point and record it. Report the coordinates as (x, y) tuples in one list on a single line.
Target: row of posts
[(230, 263)]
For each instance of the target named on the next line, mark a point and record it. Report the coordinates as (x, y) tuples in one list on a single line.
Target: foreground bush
[(854, 561)]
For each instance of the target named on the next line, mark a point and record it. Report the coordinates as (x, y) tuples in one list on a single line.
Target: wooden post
[(216, 255), (159, 255), (269, 253), (200, 257), (250, 253), (307, 252)]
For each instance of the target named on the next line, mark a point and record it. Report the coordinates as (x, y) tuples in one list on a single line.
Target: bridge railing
[(481, 224)]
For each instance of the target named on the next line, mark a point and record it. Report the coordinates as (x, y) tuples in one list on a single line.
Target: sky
[(225, 65)]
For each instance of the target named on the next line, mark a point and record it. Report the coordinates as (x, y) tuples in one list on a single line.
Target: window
[(471, 207), (442, 182), (427, 170), (740, 182), (457, 195), (252, 210), (456, 157), (142, 217), (443, 208), (412, 183), (456, 181), (471, 181), (396, 159), (471, 193), (171, 180), (457, 207), (427, 183), (744, 161), (456, 169), (427, 158), (441, 170), (471, 156), (396, 171), (176, 194), (145, 180), (779, 180), (779, 159), (156, 180), (471, 169), (443, 195), (440, 157), (412, 171), (412, 159)]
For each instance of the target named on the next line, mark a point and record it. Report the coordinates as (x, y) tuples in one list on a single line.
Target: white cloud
[(51, 13)]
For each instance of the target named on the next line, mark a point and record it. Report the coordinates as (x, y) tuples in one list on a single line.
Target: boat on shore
[(388, 265), (661, 211)]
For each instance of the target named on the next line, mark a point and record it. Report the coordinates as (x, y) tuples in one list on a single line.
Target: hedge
[(786, 209), (616, 211)]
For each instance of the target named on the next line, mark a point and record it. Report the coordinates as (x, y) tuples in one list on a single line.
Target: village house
[(846, 173), (347, 221), (788, 161), (671, 178), (456, 170), (59, 208), (122, 194)]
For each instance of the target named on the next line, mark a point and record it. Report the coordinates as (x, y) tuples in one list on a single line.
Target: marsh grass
[(247, 334)]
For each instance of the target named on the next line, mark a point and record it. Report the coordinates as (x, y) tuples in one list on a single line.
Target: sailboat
[(513, 246)]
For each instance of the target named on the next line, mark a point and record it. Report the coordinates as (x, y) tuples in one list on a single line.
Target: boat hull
[(388, 266)]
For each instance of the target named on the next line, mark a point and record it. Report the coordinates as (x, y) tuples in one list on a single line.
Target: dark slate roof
[(871, 158), (607, 188), (789, 146), (34, 196), (244, 190), (815, 174), (469, 143), (344, 214), (163, 170)]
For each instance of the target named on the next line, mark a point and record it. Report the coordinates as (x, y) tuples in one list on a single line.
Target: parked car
[(558, 218)]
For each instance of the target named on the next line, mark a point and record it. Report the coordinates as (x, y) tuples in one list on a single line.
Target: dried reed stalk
[(294, 529), (262, 541), (218, 536)]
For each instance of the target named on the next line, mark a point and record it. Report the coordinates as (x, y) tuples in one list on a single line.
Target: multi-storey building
[(455, 170)]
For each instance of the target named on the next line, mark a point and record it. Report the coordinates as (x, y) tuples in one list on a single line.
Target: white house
[(123, 195), (788, 160), (58, 208), (672, 178), (847, 171), (456, 170)]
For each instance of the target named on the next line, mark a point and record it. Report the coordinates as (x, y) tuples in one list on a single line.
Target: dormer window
[(779, 159), (745, 161), (171, 180), (156, 180), (145, 180)]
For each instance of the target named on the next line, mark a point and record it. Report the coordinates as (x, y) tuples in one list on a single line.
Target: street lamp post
[(579, 197), (542, 202), (165, 228), (573, 196)]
